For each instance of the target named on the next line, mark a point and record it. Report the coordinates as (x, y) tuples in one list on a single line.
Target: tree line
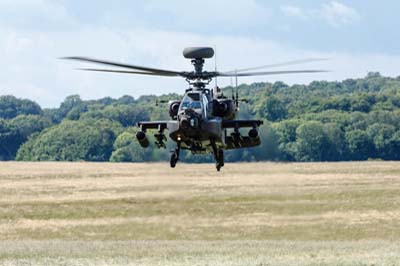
[(356, 119)]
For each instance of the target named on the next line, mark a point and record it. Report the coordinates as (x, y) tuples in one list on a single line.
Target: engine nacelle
[(173, 109), (224, 108), (142, 139)]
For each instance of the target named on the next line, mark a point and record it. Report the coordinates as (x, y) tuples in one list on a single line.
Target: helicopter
[(200, 121)]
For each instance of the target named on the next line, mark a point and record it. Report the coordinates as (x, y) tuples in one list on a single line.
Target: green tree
[(127, 148), (360, 119), (286, 130), (311, 141), (286, 133), (274, 109), (126, 99), (11, 107), (7, 136), (359, 145), (70, 102), (394, 146), (336, 145), (381, 135), (76, 112), (88, 140), (126, 115), (26, 125)]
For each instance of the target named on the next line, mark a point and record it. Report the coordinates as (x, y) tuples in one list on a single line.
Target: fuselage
[(197, 122)]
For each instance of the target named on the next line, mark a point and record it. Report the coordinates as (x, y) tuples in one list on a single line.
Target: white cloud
[(293, 11), (33, 13), (15, 43), (211, 13), (337, 13), (334, 13)]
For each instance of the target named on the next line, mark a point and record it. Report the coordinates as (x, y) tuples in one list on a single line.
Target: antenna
[(215, 62), (237, 91), (232, 89), (233, 92)]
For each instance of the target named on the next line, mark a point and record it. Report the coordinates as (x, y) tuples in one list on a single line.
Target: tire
[(173, 160), (218, 165)]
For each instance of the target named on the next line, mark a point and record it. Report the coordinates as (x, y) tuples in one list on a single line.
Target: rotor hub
[(198, 65)]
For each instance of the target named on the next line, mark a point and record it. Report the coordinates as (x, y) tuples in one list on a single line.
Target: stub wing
[(160, 125), (241, 123)]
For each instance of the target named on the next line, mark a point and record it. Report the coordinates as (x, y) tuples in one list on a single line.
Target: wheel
[(173, 159), (218, 165)]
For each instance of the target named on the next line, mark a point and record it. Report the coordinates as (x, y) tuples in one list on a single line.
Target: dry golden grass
[(248, 214)]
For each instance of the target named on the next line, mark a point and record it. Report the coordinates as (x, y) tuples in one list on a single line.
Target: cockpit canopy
[(198, 101), (191, 101), (191, 105)]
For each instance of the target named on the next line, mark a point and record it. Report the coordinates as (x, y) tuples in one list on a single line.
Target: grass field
[(248, 214)]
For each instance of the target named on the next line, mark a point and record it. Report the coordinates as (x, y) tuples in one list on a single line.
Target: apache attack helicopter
[(201, 119)]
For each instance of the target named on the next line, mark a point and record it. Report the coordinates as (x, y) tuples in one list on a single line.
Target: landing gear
[(218, 155), (175, 155), (219, 160), (174, 159)]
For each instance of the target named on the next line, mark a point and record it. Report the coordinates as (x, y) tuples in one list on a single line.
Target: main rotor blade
[(128, 72), (288, 63), (109, 63), (249, 74)]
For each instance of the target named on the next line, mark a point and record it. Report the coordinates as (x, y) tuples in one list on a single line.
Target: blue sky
[(357, 36)]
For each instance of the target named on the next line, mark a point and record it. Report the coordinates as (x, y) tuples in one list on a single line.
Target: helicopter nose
[(189, 121), (185, 123)]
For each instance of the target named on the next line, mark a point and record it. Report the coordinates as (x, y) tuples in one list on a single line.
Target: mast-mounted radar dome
[(198, 52)]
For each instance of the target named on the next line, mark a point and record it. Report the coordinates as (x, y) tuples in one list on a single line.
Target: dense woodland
[(357, 119)]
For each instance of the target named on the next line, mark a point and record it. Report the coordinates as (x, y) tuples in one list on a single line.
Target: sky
[(356, 36)]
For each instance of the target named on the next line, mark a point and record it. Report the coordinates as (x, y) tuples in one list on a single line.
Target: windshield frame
[(190, 103)]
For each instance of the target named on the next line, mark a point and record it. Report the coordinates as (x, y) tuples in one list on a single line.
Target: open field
[(248, 214)]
